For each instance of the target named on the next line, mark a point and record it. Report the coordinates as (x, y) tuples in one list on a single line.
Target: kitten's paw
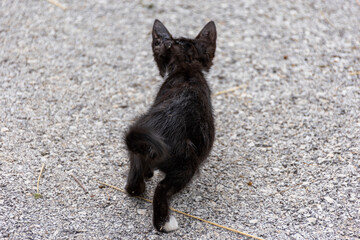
[(135, 190), (170, 225)]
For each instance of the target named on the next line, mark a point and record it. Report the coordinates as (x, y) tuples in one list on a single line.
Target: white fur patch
[(171, 225)]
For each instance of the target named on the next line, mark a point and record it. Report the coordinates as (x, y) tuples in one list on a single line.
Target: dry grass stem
[(354, 73), (186, 214), (79, 183), (230, 90), (57, 4), (38, 181), (327, 19)]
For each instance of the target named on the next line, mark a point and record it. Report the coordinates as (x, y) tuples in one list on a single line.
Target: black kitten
[(177, 132)]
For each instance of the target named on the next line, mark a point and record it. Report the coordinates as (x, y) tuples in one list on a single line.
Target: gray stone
[(72, 81)]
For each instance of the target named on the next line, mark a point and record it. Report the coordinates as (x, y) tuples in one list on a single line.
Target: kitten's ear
[(208, 32), (160, 32), (161, 43)]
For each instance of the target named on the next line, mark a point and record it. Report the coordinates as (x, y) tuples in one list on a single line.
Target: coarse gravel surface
[(285, 164)]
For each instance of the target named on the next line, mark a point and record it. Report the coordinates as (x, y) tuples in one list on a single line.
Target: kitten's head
[(171, 53)]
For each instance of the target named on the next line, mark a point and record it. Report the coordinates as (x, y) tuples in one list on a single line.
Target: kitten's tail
[(146, 142)]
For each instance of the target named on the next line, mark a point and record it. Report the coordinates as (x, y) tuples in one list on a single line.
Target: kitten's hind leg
[(148, 173), (135, 182), (171, 184)]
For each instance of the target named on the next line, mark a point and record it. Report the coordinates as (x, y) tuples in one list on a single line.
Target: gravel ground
[(285, 164)]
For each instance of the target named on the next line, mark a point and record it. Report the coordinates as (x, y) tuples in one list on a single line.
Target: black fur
[(177, 132)]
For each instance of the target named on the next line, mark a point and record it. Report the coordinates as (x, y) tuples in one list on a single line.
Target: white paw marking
[(171, 225)]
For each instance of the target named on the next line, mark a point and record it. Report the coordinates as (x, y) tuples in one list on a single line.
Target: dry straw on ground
[(189, 215), (37, 194), (57, 4)]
